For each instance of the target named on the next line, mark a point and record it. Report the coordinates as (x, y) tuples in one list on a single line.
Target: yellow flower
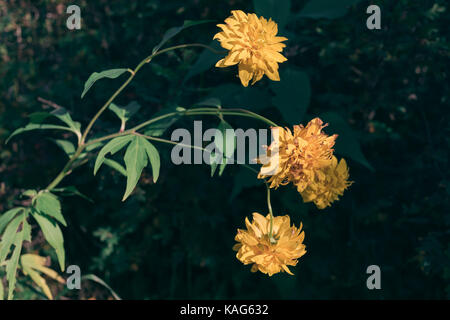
[(253, 45), (255, 247), (328, 187), (297, 157)]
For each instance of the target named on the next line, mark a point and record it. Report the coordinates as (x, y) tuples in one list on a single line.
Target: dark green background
[(385, 92)]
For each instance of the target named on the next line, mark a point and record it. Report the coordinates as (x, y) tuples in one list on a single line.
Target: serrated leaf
[(8, 237), (47, 203), (346, 144), (7, 217), (111, 147), (292, 95), (329, 9), (31, 264), (13, 262), (126, 112), (53, 235), (175, 30), (278, 10), (158, 128), (111, 74)]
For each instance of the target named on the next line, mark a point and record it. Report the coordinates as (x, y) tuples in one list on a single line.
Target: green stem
[(190, 112), (170, 142), (187, 146), (269, 205), (66, 169), (132, 75), (81, 144)]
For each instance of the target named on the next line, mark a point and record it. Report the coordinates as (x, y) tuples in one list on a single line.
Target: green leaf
[(158, 128), (329, 9), (346, 144), (214, 162), (205, 61), (47, 203), (136, 159), (67, 146), (278, 10), (63, 115), (94, 278), (33, 265), (125, 113), (116, 166), (111, 147), (13, 262), (2, 291), (175, 30), (8, 216), (153, 156), (39, 117), (71, 191), (53, 235), (244, 179), (226, 145), (26, 231), (35, 126), (111, 74), (36, 119), (212, 102), (29, 193), (292, 95), (9, 236)]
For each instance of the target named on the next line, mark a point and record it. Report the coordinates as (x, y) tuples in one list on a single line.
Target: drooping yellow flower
[(297, 157), (255, 247), (327, 188), (253, 44)]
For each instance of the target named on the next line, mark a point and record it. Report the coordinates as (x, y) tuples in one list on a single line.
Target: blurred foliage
[(386, 92)]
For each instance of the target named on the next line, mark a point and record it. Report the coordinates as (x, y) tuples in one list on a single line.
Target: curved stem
[(181, 46), (190, 112), (132, 75), (103, 108), (269, 205), (187, 146), (81, 143), (170, 142), (66, 168)]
